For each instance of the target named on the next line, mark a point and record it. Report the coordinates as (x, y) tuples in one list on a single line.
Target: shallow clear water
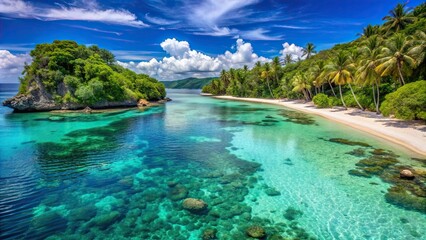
[(123, 174)]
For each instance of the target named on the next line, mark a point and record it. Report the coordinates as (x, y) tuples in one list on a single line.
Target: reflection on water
[(260, 169)]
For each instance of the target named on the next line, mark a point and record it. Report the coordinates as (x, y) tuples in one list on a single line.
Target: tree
[(309, 50), (366, 73), (398, 18), (276, 71), (266, 75), (396, 58), (369, 31), (300, 83), (340, 74), (288, 59)]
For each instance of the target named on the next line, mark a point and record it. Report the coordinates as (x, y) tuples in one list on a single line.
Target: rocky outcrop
[(40, 101)]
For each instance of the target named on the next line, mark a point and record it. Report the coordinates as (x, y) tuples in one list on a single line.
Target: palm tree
[(339, 71), (301, 84), (369, 31), (366, 74), (309, 50), (398, 18), (419, 46), (396, 58), (288, 59), (275, 70), (266, 75)]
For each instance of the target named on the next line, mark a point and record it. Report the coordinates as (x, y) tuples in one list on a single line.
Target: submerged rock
[(255, 231), (347, 142), (208, 234), (194, 205), (178, 192), (105, 220), (291, 214), (272, 192)]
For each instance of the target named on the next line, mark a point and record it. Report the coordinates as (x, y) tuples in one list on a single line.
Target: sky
[(172, 40)]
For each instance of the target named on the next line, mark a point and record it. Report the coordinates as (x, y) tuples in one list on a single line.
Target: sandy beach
[(410, 134)]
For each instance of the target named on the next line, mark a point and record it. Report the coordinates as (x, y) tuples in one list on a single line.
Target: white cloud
[(259, 34), (18, 7), (175, 48), (212, 12), (185, 62), (295, 51), (12, 65), (88, 10), (159, 21)]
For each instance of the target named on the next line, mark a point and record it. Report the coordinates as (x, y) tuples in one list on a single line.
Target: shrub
[(334, 101), (408, 102), (321, 100)]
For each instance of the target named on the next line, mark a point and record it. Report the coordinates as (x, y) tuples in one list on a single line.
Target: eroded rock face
[(194, 205)]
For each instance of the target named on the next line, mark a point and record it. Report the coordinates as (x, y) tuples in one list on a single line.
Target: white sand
[(409, 134)]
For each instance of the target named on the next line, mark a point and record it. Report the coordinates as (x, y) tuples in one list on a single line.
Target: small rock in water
[(404, 220), (143, 103), (87, 110), (291, 214), (255, 231), (406, 174), (272, 192), (194, 205)]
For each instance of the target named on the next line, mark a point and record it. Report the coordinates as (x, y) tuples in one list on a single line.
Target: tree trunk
[(374, 95), (322, 88), (305, 93), (329, 83), (270, 91), (341, 96), (356, 100), (401, 78), (309, 94), (378, 98)]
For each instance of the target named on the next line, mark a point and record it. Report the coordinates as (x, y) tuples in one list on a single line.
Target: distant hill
[(188, 83)]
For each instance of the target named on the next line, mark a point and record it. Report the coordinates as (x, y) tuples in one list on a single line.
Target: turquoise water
[(123, 175)]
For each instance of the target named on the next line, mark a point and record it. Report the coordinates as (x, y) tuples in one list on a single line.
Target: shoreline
[(409, 134)]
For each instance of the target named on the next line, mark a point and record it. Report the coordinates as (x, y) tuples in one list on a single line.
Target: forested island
[(188, 83), (64, 75), (383, 70)]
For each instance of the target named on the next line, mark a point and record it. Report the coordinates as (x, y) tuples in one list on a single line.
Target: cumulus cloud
[(185, 62), (85, 10), (12, 65), (295, 51)]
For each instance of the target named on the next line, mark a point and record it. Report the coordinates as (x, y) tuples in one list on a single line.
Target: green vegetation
[(188, 83), (321, 100), (72, 73), (355, 74), (408, 102)]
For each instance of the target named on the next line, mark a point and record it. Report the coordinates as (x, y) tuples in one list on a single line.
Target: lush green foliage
[(73, 73), (354, 74), (408, 102), (322, 101), (188, 83)]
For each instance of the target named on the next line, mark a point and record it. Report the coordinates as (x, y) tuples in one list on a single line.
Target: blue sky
[(177, 39)]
